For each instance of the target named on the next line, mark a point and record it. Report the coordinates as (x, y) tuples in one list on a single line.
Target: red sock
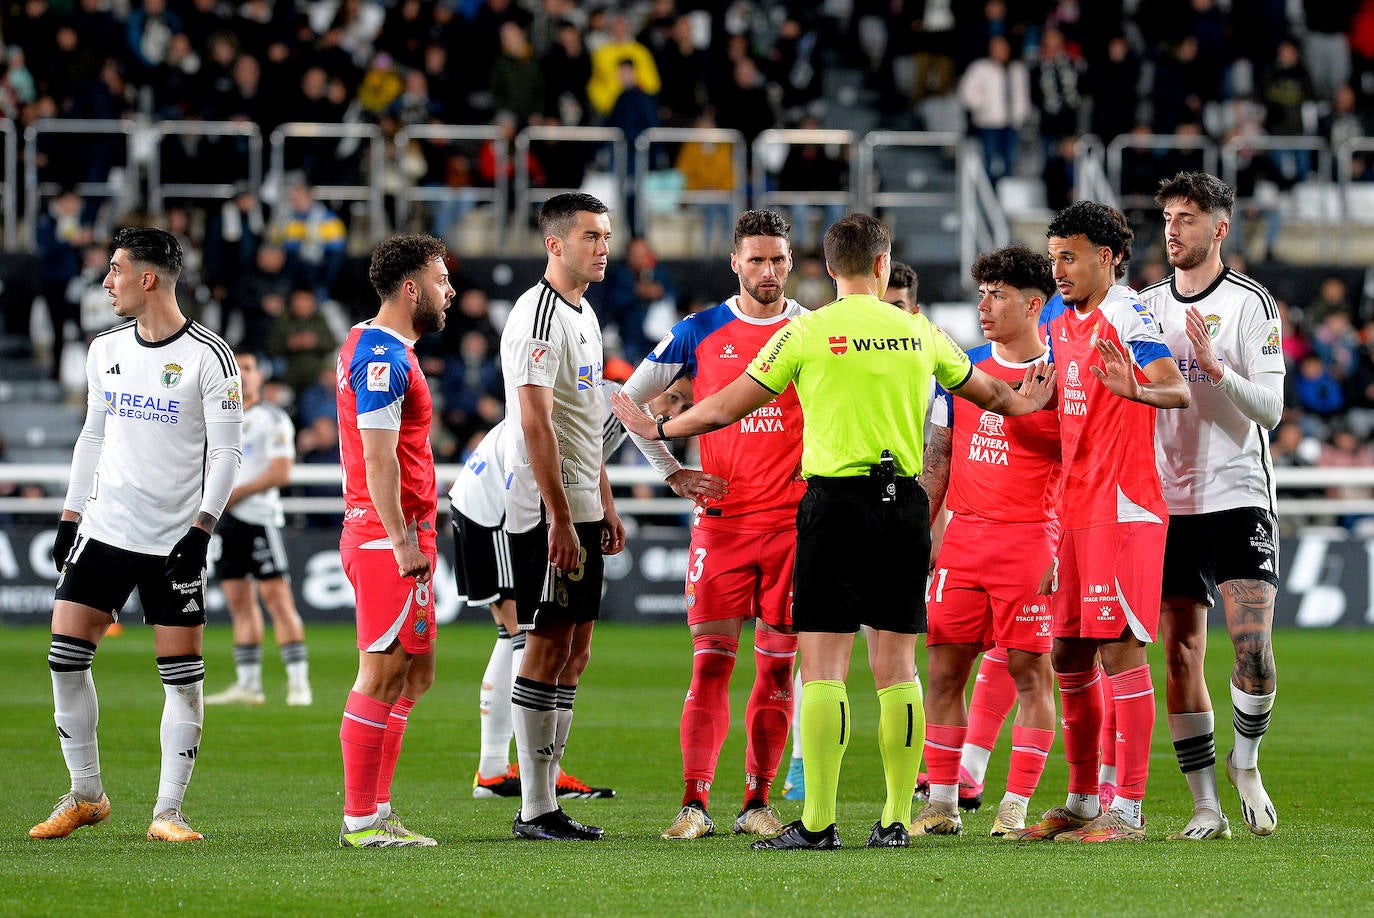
[(994, 692), (768, 714), (1082, 706), (944, 743), (1134, 694), (391, 746), (361, 736), (706, 713), (1030, 747), (1108, 735)]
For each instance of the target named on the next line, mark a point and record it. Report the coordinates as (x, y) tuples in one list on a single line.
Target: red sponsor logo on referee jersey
[(839, 344)]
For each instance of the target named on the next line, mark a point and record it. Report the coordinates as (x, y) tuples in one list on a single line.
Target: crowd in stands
[(1032, 77)]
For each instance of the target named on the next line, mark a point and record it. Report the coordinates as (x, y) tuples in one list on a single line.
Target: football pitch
[(267, 793)]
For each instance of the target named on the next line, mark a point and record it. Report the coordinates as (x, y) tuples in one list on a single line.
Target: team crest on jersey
[(1097, 326), (839, 344), (378, 377), (171, 375), (1213, 322), (992, 425)]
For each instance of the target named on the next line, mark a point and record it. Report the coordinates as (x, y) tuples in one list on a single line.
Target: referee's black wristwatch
[(662, 419)]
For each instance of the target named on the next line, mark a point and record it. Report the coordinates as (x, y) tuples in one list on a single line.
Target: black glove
[(187, 560), (62, 545)]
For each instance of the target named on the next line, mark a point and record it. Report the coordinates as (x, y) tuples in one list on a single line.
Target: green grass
[(267, 794)]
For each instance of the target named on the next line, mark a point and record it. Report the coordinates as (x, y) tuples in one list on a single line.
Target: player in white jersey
[(1218, 479), (559, 510), (252, 560), (151, 473), (482, 568)]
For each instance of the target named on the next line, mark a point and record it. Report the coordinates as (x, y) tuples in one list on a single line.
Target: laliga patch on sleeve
[(539, 358), (378, 377)]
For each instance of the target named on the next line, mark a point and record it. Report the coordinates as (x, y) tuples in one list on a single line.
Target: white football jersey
[(480, 491), (267, 434), (1211, 456), (555, 344), (156, 398)]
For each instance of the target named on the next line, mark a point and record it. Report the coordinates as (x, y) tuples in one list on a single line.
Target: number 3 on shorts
[(581, 570), (698, 562)]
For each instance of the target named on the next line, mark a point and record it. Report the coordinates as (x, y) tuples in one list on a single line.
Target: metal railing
[(159, 191), (1090, 179), (765, 147), (124, 192), (411, 193), (983, 224), (526, 195), (9, 191), (372, 193), (735, 197), (1153, 143)]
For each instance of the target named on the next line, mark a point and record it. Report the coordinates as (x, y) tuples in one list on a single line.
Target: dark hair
[(903, 277), (1015, 266), (150, 246), (1101, 224), (1206, 191), (853, 243), (559, 212), (399, 258), (761, 223)]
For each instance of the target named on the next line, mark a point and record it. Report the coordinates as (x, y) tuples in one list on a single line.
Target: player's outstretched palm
[(633, 417), (1116, 372), (1195, 326)]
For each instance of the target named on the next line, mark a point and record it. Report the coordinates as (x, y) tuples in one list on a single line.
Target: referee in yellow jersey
[(862, 371)]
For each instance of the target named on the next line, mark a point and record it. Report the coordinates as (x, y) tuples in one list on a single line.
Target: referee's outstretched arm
[(992, 394), (711, 413)]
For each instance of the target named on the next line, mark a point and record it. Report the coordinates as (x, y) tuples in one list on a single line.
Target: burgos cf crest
[(990, 425), (1213, 322), (171, 375)]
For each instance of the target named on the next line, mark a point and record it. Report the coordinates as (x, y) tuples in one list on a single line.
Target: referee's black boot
[(554, 826), (893, 836), (796, 837)]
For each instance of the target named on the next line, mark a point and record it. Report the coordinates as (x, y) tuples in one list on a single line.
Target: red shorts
[(390, 607), (1109, 581), (983, 589), (733, 574)]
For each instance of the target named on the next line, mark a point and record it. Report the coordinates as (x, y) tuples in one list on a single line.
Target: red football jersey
[(381, 386), (1108, 441)]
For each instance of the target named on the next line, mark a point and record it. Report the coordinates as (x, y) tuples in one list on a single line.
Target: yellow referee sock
[(825, 718), (901, 736)]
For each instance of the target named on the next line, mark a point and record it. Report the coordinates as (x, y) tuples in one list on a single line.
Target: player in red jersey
[(1114, 372), (388, 545), (743, 541), (1000, 478)]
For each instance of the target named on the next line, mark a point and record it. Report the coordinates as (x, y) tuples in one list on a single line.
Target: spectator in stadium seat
[(682, 69), (709, 166), (1318, 390), (314, 238), (1326, 43), (632, 288), (606, 84), (61, 234), (1285, 90), (1332, 296), (301, 341), (1116, 79), (996, 92), (567, 70), (814, 167), (258, 296), (517, 78), (150, 29)]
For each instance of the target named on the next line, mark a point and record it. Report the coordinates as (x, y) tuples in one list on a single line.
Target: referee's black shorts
[(860, 561)]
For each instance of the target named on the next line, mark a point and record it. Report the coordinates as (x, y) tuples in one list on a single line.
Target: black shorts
[(543, 592), (102, 576), (250, 550), (481, 562), (1206, 549), (860, 561)]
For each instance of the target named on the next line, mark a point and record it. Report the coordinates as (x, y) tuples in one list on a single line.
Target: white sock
[(796, 715), (945, 796), (1009, 797), (493, 703), (76, 711), (1106, 774), (1084, 806), (354, 823), (975, 761), (384, 808), (248, 666), (536, 725), (296, 659), (1129, 810), (1251, 717), (566, 695), (183, 716), (1196, 751)]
